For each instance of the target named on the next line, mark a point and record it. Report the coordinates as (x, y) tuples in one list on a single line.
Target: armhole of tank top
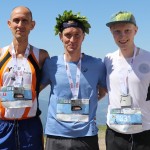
[(3, 51), (0, 52), (36, 52)]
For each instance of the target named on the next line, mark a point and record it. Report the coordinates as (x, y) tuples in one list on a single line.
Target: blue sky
[(98, 43)]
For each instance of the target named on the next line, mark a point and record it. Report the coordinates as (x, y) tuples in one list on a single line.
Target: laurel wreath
[(67, 16)]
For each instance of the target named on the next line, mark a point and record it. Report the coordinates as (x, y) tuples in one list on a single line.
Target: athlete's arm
[(42, 87), (42, 57), (101, 92)]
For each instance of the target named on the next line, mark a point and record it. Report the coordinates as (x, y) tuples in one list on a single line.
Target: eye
[(23, 21), (16, 20), (68, 35), (116, 32), (77, 35), (127, 31)]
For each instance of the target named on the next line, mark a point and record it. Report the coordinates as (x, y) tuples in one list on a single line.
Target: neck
[(127, 53), (20, 47), (72, 57)]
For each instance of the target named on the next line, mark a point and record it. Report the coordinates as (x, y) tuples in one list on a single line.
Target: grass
[(102, 128), (101, 135)]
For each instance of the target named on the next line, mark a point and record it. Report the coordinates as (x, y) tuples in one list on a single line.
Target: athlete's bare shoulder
[(0, 52), (42, 57)]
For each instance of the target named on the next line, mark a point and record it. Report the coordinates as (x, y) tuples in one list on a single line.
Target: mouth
[(123, 42), (20, 31), (71, 46)]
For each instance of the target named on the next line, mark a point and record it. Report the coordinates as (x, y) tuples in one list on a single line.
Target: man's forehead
[(20, 12), (121, 25)]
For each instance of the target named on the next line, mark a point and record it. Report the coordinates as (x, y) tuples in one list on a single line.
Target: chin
[(123, 46)]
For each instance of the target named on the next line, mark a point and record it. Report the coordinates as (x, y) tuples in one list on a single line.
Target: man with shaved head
[(20, 65)]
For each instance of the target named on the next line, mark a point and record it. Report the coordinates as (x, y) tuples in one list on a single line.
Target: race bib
[(125, 120), (73, 110), (15, 97)]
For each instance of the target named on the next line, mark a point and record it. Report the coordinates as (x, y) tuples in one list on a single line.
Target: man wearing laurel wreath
[(74, 78)]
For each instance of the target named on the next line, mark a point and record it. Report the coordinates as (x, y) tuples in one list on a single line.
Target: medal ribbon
[(124, 77), (74, 87), (19, 70)]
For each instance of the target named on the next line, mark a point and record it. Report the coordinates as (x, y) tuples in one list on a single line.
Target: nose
[(122, 34), (72, 38), (20, 23)]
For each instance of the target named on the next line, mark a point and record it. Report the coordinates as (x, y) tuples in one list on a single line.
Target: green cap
[(121, 17)]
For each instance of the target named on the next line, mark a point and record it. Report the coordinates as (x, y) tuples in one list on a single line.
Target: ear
[(83, 36), (9, 23), (32, 25), (111, 31), (136, 29), (60, 36)]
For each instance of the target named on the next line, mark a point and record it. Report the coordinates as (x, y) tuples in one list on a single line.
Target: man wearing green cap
[(128, 79), (74, 78)]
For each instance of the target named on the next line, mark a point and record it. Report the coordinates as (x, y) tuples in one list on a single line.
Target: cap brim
[(109, 24)]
